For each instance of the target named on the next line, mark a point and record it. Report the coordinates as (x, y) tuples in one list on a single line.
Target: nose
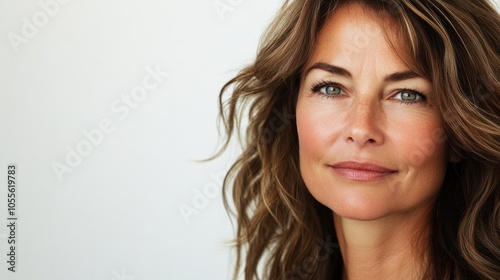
[(364, 124)]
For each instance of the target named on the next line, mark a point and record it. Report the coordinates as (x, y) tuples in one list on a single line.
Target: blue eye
[(327, 89), (331, 90), (410, 96)]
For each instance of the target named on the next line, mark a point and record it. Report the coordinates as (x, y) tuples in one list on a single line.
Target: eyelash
[(315, 88)]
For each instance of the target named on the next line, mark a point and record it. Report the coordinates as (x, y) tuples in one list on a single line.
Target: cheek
[(309, 138), (316, 134), (421, 143), (422, 152), (311, 141)]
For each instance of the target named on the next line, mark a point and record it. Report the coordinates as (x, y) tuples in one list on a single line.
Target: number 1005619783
[(11, 186)]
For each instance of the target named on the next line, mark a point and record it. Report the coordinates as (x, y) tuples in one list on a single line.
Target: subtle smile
[(360, 171)]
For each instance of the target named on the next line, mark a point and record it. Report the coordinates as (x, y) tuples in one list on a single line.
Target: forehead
[(352, 31)]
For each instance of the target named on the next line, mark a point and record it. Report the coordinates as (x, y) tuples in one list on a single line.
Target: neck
[(389, 248)]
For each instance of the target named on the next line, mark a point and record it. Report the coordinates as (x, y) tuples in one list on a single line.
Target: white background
[(117, 214)]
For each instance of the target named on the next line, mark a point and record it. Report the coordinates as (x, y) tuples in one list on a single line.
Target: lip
[(361, 171)]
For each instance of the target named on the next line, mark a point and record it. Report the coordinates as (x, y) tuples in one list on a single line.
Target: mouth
[(361, 171)]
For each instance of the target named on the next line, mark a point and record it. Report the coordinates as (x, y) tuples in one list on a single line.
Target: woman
[(373, 143)]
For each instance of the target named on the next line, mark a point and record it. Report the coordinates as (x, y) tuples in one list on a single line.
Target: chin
[(358, 202), (360, 210)]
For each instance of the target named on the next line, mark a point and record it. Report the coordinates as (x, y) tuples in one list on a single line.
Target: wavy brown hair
[(282, 231)]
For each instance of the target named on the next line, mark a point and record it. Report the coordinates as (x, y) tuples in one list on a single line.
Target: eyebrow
[(394, 77)]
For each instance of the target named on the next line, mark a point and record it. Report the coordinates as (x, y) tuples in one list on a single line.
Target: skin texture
[(380, 216)]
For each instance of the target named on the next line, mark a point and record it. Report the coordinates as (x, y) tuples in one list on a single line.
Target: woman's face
[(371, 144)]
